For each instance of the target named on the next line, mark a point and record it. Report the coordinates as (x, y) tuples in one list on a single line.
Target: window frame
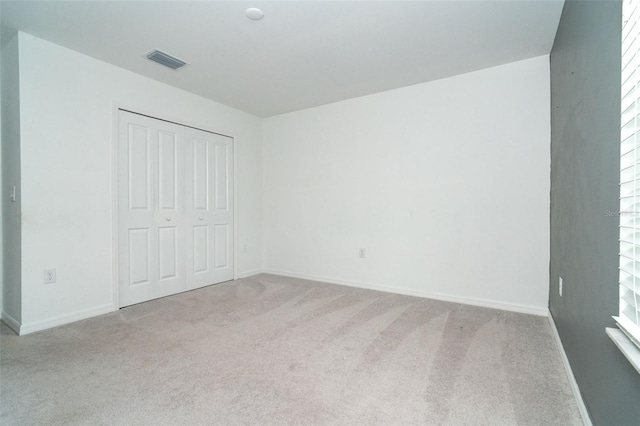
[(627, 335)]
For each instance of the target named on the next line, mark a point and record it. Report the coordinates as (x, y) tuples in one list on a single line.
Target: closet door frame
[(183, 121)]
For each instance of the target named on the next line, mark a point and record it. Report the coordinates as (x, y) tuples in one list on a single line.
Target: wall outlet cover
[(49, 276)]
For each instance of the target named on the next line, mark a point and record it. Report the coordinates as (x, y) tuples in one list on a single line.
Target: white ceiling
[(303, 53)]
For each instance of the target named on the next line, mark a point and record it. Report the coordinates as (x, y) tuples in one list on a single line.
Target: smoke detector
[(254, 13)]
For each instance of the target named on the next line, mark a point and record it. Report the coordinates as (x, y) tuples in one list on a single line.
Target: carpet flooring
[(269, 350)]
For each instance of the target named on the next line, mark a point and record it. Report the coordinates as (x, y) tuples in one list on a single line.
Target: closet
[(175, 208)]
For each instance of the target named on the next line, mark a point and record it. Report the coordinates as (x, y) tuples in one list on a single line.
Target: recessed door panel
[(139, 242), (138, 167), (168, 252), (167, 170), (222, 176), (200, 249), (201, 174), (221, 241)]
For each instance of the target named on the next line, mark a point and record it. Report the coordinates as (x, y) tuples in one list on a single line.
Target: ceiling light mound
[(254, 13)]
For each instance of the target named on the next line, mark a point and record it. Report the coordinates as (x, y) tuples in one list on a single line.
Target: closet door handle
[(168, 219), (201, 218)]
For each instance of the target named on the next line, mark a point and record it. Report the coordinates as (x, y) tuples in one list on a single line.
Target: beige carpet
[(269, 350)]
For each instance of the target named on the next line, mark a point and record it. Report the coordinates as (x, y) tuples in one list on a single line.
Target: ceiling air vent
[(165, 59)]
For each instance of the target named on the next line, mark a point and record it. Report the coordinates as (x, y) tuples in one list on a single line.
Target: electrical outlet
[(560, 286), (49, 276), (362, 253)]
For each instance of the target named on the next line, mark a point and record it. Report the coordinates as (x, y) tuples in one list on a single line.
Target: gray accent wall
[(585, 135)]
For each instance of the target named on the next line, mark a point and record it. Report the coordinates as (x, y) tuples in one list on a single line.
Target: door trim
[(116, 107)]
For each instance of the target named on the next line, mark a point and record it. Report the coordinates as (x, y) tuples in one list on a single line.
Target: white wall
[(67, 141), (11, 290), (446, 185)]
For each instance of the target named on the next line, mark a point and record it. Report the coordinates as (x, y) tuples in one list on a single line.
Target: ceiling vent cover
[(165, 59)]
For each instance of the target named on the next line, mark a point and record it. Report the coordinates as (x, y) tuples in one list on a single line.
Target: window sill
[(628, 349)]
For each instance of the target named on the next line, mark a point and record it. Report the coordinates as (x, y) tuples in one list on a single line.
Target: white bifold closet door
[(209, 209), (175, 208)]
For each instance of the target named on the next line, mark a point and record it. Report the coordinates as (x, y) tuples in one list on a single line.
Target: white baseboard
[(247, 274), (572, 379), (11, 322), (66, 319), (525, 309)]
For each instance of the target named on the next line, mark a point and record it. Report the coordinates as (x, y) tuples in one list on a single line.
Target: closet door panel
[(136, 218), (199, 212), (175, 208), (170, 209), (150, 223), (223, 213), (209, 213)]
